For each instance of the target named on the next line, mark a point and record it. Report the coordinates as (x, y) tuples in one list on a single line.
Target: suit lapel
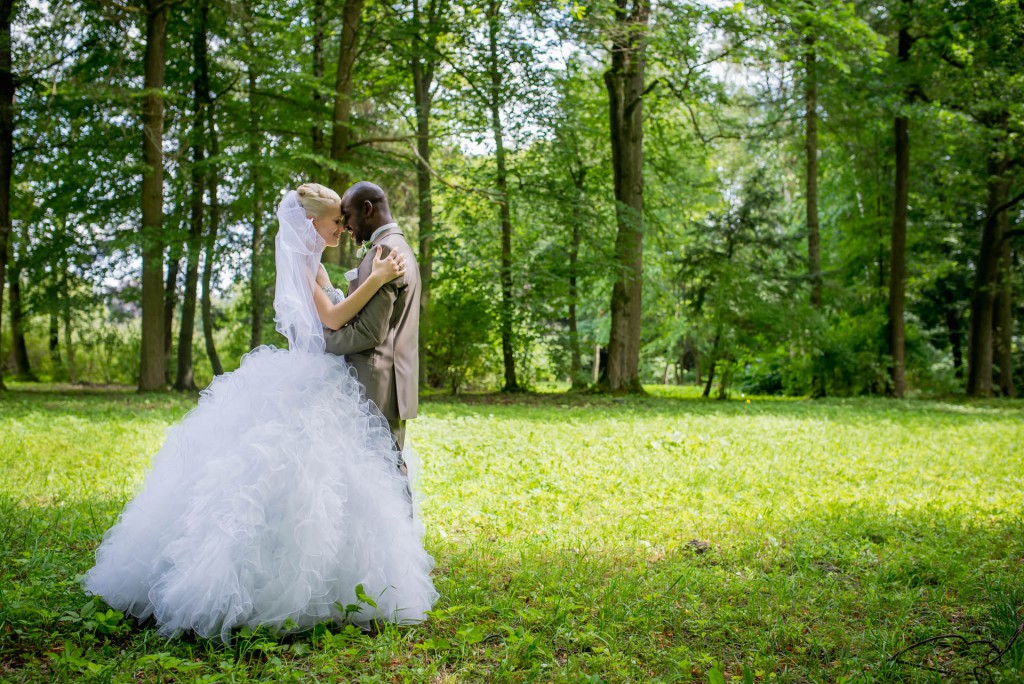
[(366, 265), (390, 231)]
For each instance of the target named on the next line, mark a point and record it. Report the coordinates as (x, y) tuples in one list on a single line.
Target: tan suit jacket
[(382, 342)]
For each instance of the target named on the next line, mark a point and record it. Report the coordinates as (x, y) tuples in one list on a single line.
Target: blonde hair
[(317, 199)]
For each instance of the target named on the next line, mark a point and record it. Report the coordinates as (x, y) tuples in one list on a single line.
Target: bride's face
[(329, 226)]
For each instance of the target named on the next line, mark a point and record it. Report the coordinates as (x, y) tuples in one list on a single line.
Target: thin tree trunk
[(504, 210), (6, 144), (811, 154), (955, 330), (575, 366), (206, 300), (185, 378), (725, 377), (22, 367), (898, 257), (54, 341), (422, 80), (880, 213), (69, 347), (170, 304), (319, 28), (425, 205), (206, 304), (811, 157), (256, 284), (1002, 321), (341, 134), (986, 275), (711, 367), (897, 264), (153, 364), (625, 84)]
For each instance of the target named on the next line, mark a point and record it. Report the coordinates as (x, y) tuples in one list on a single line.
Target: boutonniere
[(363, 250)]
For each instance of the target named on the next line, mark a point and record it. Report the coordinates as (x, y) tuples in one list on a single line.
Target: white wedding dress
[(276, 502)]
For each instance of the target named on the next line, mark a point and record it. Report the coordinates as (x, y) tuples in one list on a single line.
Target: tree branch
[(1004, 206), (490, 195), (371, 141)]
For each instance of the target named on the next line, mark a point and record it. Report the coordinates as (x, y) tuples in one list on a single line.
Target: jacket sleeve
[(369, 329)]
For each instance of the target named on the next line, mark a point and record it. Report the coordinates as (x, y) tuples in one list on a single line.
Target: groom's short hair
[(365, 191)]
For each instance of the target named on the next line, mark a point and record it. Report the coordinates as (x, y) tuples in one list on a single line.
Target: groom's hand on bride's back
[(384, 252), (387, 267)]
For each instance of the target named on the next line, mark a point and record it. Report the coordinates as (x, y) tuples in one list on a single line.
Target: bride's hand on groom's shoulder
[(387, 268)]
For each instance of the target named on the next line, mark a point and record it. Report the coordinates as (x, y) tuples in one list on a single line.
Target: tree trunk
[(206, 303), (256, 285), (575, 367), (22, 367), (69, 347), (209, 260), (625, 84), (955, 330), (811, 153), (986, 276), (422, 79), (725, 378), (54, 341), (1002, 320), (504, 210), (711, 366), (811, 156), (185, 378), (319, 28), (170, 304), (341, 134), (6, 144), (898, 257), (880, 213), (153, 364)]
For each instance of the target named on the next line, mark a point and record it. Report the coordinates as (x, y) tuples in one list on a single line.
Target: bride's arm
[(384, 271)]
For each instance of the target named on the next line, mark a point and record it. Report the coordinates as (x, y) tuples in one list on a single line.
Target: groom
[(382, 342)]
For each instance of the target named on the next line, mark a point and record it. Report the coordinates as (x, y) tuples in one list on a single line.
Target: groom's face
[(356, 218)]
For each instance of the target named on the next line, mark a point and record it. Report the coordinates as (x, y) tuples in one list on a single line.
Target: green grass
[(840, 531)]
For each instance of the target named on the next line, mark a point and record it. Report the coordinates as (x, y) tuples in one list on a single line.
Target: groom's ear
[(368, 208)]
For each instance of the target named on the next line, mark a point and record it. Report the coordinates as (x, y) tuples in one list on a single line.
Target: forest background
[(805, 197)]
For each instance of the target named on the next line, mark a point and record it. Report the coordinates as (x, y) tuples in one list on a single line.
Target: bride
[(277, 501)]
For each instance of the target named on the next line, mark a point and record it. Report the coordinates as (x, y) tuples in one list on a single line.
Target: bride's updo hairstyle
[(317, 199)]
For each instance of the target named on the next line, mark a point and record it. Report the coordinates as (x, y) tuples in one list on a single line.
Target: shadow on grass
[(88, 401), (26, 399), (555, 407)]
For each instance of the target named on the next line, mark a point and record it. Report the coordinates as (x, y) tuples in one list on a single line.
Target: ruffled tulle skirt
[(276, 502)]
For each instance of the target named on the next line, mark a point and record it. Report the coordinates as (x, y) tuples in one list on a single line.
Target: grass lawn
[(580, 538)]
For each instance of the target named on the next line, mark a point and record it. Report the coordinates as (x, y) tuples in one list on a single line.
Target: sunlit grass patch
[(663, 538)]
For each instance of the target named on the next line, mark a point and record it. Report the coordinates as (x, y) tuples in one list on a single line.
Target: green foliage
[(724, 161), (459, 338)]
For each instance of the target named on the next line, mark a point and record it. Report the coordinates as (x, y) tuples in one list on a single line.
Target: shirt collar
[(380, 231)]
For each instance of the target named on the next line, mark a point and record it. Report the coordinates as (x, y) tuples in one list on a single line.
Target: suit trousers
[(398, 435)]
